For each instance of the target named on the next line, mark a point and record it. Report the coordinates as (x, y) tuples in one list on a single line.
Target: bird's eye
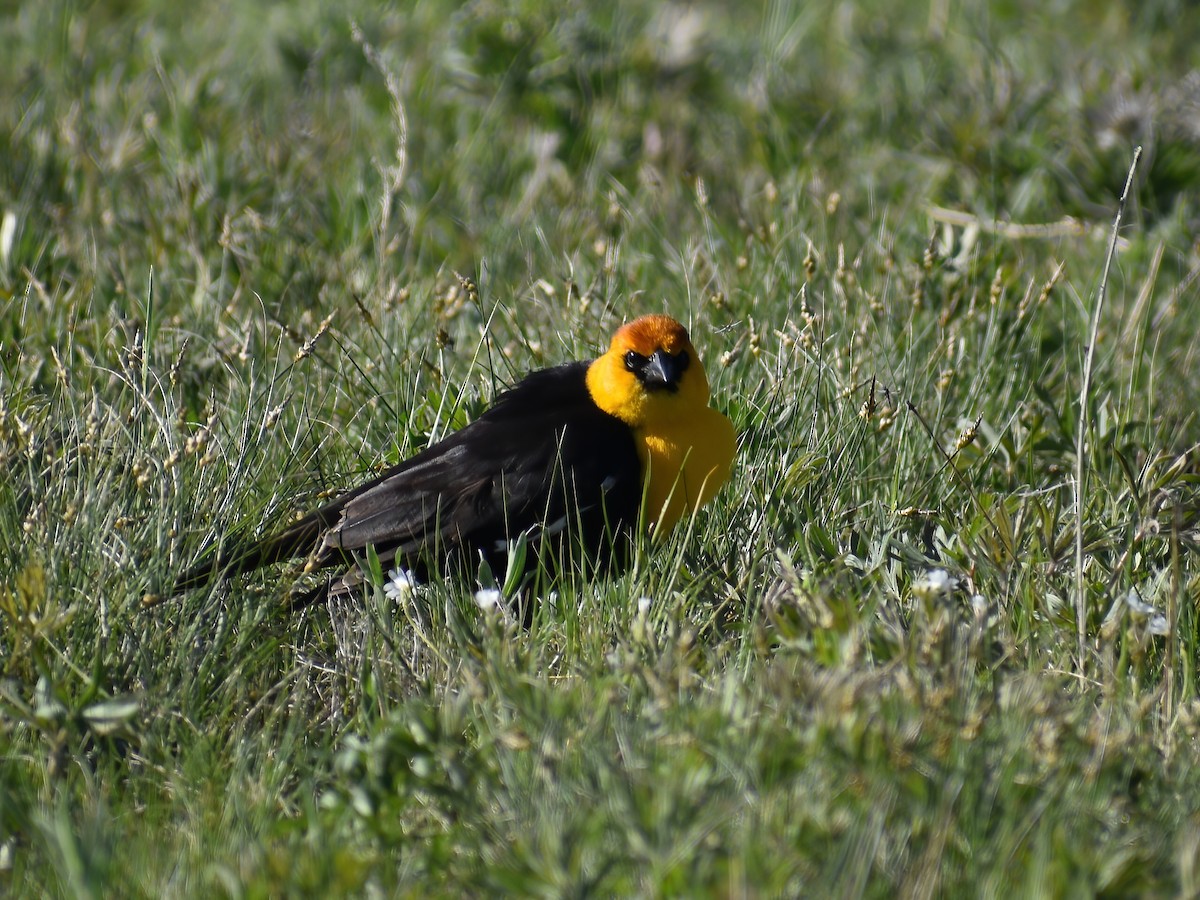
[(684, 359), (634, 361)]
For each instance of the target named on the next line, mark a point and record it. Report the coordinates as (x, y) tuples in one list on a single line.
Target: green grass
[(231, 242)]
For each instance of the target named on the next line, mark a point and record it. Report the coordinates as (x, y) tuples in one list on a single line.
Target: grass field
[(251, 252)]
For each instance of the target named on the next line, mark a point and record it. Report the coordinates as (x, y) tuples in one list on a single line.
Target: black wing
[(544, 460)]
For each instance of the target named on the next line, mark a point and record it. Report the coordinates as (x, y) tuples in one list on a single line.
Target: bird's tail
[(241, 556)]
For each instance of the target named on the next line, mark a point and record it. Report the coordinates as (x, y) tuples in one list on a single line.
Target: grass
[(249, 253)]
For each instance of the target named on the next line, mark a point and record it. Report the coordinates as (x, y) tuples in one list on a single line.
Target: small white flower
[(488, 599), (979, 605), (401, 584), (643, 607), (1156, 622), (1137, 605), (935, 583)]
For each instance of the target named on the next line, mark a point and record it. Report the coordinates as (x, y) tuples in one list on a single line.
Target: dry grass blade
[(1084, 426)]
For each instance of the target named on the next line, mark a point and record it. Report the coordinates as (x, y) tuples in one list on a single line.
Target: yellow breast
[(685, 462)]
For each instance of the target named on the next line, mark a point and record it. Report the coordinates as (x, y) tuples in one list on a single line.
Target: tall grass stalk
[(1083, 431)]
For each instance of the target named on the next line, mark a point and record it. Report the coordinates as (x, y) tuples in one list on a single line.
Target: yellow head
[(651, 373), (652, 380)]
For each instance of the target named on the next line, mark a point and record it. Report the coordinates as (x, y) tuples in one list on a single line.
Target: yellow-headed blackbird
[(571, 458)]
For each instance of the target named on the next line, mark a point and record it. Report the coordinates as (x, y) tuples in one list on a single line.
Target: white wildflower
[(1156, 622), (1137, 605), (401, 584), (488, 599), (935, 583), (639, 628), (979, 605)]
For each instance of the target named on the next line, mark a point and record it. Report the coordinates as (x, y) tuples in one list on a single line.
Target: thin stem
[(1085, 416)]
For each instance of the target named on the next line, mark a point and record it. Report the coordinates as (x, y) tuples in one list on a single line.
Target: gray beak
[(662, 372)]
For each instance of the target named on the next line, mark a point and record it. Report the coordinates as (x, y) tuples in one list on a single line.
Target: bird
[(570, 464)]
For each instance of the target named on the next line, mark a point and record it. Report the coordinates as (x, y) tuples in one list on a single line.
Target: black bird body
[(572, 462), (543, 462)]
